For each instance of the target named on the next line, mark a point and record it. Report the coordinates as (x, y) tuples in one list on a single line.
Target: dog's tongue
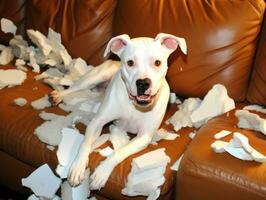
[(143, 97)]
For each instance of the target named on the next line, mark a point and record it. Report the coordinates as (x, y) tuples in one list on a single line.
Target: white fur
[(118, 106)]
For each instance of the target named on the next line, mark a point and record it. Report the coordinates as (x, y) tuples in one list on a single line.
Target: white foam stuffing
[(48, 116), (163, 134), (146, 174), (42, 182), (6, 56), (240, 148), (250, 121), (181, 118), (11, 77), (255, 108), (105, 152), (41, 103), (20, 101), (7, 26), (222, 134), (216, 102), (76, 193), (68, 150)]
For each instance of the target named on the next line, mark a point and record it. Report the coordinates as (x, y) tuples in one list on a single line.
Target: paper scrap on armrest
[(239, 147), (222, 134), (7, 26), (42, 182), (107, 151), (146, 174), (251, 121), (255, 108)]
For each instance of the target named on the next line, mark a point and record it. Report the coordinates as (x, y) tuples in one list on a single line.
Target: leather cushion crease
[(225, 176), (221, 42), (17, 126), (257, 92)]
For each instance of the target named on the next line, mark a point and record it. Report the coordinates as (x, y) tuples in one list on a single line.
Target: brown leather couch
[(226, 44)]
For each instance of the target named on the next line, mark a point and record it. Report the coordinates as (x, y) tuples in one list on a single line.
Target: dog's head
[(144, 63)]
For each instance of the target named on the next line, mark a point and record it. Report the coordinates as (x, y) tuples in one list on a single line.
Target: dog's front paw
[(55, 97), (77, 171), (101, 175)]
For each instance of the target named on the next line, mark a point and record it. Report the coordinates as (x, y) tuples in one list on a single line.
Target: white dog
[(136, 98)]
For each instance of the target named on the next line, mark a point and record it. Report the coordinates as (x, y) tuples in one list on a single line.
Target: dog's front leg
[(77, 171), (103, 171), (95, 76)]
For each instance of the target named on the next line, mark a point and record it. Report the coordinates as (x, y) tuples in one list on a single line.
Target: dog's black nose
[(143, 85)]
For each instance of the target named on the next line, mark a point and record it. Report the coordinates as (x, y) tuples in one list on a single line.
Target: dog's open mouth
[(142, 100)]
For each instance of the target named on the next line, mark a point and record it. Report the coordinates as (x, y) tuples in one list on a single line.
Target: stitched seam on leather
[(201, 171)]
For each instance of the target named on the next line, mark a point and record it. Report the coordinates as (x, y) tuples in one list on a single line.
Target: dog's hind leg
[(97, 75)]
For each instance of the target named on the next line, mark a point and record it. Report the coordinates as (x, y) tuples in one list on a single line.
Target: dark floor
[(6, 194)]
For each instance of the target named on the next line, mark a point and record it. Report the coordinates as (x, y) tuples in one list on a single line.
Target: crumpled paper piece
[(239, 147), (146, 174), (42, 182), (250, 121)]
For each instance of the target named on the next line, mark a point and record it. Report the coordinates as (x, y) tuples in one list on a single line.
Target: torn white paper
[(40, 41), (48, 116), (6, 56), (42, 182), (175, 166), (81, 192), (181, 118), (146, 174), (68, 150), (218, 146), (250, 121), (41, 103), (11, 77), (49, 73), (20, 101), (222, 134), (20, 65), (239, 147), (215, 103), (118, 137), (7, 26), (107, 151), (255, 108), (163, 134)]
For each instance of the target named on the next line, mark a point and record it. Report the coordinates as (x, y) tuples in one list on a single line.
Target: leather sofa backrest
[(221, 39), (85, 26), (257, 86)]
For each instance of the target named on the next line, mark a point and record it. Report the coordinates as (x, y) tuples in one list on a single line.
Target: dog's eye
[(157, 63), (130, 63)]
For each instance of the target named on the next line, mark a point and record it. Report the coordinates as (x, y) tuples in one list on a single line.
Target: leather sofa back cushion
[(257, 86), (220, 35), (85, 26)]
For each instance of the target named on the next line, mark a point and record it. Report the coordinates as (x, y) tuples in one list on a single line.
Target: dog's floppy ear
[(117, 44), (171, 42)]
